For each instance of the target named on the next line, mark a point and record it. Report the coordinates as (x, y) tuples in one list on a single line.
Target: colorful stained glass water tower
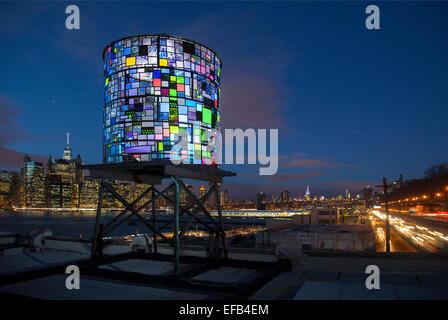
[(156, 88)]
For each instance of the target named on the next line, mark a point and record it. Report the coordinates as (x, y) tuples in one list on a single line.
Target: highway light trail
[(422, 237)]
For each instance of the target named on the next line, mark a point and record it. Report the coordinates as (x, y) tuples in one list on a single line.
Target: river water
[(81, 224)]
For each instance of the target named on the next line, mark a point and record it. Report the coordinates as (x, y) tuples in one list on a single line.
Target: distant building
[(224, 197), (353, 219), (307, 193), (317, 237), (64, 179), (184, 197), (67, 151), (89, 194), (5, 189), (58, 193), (10, 189), (367, 194), (324, 215), (202, 193), (124, 189), (33, 183), (285, 196), (133, 193), (261, 201)]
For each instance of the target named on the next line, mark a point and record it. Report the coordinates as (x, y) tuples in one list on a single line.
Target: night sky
[(352, 105)]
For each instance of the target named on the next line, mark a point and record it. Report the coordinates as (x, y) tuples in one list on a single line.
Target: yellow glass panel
[(163, 62), (130, 61)]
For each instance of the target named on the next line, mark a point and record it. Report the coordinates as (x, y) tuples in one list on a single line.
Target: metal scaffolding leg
[(176, 228), (154, 219), (196, 212), (221, 222), (100, 231), (97, 233)]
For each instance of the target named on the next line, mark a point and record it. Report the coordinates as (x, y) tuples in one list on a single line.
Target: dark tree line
[(434, 182)]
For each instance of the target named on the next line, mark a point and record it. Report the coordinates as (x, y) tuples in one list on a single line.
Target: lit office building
[(5, 189), (224, 197), (89, 194), (285, 196), (261, 201), (33, 183), (64, 180), (139, 188)]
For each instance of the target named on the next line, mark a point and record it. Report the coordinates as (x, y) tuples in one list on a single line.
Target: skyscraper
[(224, 197), (307, 193), (261, 201), (202, 193), (89, 194), (285, 196), (68, 151), (63, 180), (33, 183)]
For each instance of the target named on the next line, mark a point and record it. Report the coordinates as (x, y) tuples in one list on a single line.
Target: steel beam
[(221, 221), (187, 212), (96, 233), (196, 211), (203, 209), (134, 212), (154, 220), (111, 225)]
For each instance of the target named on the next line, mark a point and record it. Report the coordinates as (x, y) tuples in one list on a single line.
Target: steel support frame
[(213, 227), (100, 232)]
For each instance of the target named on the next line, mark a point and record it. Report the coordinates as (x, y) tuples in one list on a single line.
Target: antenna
[(68, 139)]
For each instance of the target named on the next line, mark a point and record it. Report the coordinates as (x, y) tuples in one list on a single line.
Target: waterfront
[(80, 223)]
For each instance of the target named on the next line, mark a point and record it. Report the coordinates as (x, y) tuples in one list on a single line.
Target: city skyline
[(299, 89), (70, 175), (295, 192)]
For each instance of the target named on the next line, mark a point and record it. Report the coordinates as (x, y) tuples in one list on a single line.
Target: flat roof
[(401, 279), (330, 228)]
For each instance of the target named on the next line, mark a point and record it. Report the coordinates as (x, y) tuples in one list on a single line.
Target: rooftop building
[(316, 275)]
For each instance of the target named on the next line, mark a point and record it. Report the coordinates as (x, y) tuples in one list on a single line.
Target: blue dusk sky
[(352, 105)]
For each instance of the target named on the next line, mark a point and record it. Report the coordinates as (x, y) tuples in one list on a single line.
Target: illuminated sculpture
[(157, 87)]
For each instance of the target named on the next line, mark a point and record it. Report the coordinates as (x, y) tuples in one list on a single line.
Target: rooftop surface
[(320, 275)]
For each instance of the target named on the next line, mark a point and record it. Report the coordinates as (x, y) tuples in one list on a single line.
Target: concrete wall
[(318, 218), (349, 241)]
